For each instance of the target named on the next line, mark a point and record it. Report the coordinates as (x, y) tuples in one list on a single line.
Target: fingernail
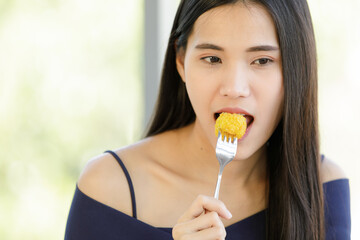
[(228, 214)]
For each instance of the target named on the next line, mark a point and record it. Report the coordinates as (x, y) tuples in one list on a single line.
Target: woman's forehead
[(244, 22)]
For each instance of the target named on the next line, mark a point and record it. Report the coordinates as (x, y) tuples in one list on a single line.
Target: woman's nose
[(235, 83)]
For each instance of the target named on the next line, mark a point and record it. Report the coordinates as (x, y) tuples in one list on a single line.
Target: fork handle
[(217, 189)]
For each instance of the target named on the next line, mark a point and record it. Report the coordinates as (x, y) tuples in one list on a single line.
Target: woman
[(256, 58)]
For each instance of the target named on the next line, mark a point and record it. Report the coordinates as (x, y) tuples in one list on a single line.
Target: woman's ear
[(180, 56)]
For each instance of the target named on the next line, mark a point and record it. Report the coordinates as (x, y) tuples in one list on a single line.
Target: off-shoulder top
[(89, 219)]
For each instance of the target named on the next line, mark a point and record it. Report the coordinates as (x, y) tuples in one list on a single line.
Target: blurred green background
[(71, 87)]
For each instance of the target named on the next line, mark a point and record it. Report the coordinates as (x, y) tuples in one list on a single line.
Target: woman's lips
[(248, 128)]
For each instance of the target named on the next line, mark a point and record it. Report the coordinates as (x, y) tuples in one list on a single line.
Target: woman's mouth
[(249, 118)]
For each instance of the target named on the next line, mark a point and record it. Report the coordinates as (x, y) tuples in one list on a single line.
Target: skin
[(226, 66), (174, 173), (237, 76)]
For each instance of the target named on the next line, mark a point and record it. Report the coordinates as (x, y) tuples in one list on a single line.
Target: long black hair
[(295, 204)]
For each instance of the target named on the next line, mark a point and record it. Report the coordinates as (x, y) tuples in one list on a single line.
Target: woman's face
[(232, 63)]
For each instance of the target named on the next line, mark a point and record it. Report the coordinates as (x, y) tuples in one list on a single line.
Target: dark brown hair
[(295, 207)]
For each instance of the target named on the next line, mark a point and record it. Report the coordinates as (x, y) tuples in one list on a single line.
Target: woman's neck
[(200, 163)]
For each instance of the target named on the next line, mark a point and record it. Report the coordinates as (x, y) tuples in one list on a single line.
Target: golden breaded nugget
[(231, 125)]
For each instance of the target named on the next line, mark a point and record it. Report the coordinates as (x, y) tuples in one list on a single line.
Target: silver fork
[(225, 153)]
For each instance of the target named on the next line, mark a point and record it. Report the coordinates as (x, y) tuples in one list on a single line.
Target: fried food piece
[(230, 125)]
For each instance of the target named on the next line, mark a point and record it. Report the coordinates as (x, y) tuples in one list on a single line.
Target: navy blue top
[(89, 219)]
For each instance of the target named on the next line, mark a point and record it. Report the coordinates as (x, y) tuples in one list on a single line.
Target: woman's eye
[(262, 61), (212, 60)]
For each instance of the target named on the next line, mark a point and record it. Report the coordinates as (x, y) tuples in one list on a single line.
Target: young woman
[(256, 58)]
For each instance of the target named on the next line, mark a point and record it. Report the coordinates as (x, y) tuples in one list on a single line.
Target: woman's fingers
[(206, 226), (202, 220), (204, 203), (216, 233)]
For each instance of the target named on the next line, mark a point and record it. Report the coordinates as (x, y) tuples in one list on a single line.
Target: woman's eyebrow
[(251, 49), (261, 48), (209, 46)]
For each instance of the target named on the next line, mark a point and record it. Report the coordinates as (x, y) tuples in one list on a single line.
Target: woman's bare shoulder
[(330, 171), (104, 180)]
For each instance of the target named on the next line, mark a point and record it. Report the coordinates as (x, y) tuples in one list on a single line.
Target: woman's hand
[(202, 220)]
